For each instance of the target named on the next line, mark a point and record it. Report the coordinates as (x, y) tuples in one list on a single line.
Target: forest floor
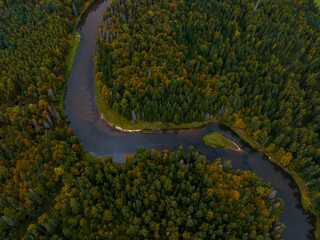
[(216, 140)]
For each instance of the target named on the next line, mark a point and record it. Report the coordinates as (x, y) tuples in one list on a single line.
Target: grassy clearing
[(318, 3), (216, 140), (147, 132), (71, 57)]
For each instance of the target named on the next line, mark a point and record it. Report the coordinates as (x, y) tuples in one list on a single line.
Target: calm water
[(100, 140)]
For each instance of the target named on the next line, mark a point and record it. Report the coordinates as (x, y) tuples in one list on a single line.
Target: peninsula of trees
[(167, 195)]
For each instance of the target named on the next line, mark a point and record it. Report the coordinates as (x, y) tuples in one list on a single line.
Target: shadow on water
[(99, 139), (90, 9)]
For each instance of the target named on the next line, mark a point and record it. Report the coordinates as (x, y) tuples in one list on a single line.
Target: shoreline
[(71, 56), (304, 199), (102, 117), (239, 149), (303, 191)]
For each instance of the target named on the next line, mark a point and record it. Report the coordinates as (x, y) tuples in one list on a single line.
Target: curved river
[(99, 139)]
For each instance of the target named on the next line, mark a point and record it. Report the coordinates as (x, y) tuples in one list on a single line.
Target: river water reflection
[(100, 140)]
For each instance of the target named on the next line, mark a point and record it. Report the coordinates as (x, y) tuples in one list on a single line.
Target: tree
[(286, 159)]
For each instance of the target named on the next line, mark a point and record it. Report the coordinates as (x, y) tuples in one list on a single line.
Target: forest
[(36, 146), (162, 195), (255, 65), (48, 178)]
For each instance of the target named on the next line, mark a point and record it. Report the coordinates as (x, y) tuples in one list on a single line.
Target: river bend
[(99, 139)]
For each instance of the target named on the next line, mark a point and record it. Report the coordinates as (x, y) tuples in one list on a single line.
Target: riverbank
[(75, 39), (305, 201), (123, 124)]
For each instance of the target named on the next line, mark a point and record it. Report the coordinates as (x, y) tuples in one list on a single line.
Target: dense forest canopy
[(168, 195), (256, 65), (36, 147), (40, 156)]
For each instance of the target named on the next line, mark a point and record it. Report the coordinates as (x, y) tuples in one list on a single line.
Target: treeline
[(168, 195), (254, 63), (36, 147)]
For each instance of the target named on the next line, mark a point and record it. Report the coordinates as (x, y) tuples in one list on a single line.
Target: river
[(99, 139)]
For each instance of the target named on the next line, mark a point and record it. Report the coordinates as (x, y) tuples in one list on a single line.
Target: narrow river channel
[(99, 139)]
